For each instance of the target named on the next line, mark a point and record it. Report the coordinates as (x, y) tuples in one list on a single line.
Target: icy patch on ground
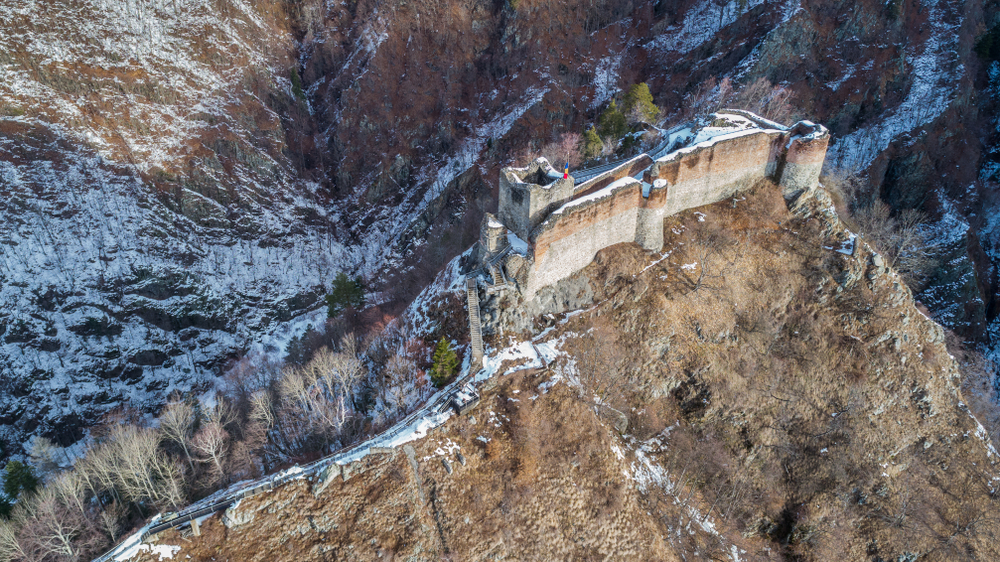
[(846, 247), (521, 351), (416, 430), (446, 449), (655, 262), (520, 246), (161, 551), (131, 546), (164, 551)]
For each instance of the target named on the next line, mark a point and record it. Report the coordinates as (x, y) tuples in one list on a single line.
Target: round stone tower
[(493, 235)]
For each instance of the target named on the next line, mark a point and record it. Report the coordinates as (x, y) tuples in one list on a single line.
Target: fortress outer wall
[(569, 239), (705, 174)]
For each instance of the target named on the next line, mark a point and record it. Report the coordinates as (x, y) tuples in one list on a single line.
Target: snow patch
[(936, 71), (606, 78), (702, 23), (519, 246)]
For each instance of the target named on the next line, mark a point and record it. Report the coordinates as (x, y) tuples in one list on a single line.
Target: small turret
[(804, 157), (493, 235)]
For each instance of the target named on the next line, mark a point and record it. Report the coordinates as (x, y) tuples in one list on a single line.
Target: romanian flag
[(566, 172)]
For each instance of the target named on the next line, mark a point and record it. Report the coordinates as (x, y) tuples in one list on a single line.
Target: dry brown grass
[(807, 396), (546, 486)]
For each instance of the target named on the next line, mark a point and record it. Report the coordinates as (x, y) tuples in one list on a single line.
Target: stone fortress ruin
[(548, 227)]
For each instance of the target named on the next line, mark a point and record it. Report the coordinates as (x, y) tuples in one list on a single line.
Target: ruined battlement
[(528, 195), (564, 225)]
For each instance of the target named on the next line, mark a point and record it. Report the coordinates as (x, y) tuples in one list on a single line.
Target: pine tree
[(611, 125), (345, 293), (445, 363), (639, 104), (19, 478), (297, 85), (592, 144)]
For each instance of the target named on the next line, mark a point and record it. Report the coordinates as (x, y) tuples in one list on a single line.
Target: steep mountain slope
[(180, 176), (784, 399), (155, 210)]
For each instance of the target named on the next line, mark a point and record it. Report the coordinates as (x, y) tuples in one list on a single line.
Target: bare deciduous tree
[(900, 239), (43, 455), (70, 488), (565, 149), (110, 516), (400, 371), (59, 531), (261, 408), (314, 401), (143, 472), (212, 444), (10, 543), (765, 99), (760, 96), (177, 421)]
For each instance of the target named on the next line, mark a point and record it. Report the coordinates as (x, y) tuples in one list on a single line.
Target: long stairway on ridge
[(475, 327)]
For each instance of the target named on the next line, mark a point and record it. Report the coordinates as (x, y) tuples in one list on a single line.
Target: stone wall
[(625, 169), (803, 159), (569, 239), (702, 175), (566, 224), (611, 209), (493, 235)]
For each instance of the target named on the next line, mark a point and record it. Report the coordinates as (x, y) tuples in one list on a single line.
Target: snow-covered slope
[(150, 219)]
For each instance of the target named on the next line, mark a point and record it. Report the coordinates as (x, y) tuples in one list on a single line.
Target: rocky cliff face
[(182, 175), (764, 389)]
